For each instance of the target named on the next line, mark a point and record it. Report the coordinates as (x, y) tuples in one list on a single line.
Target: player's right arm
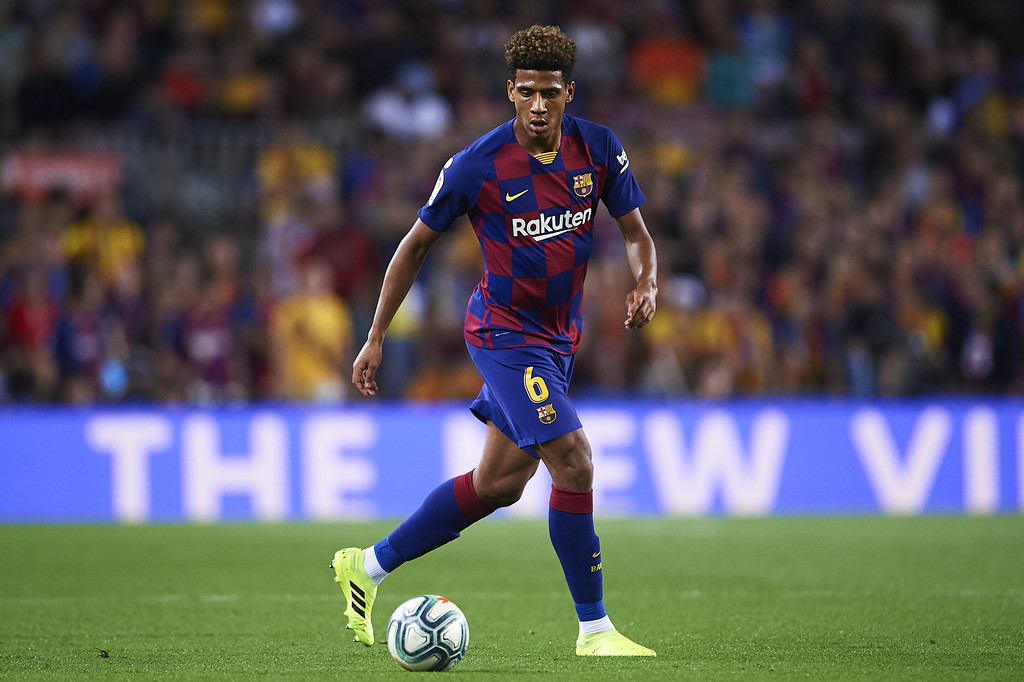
[(398, 279)]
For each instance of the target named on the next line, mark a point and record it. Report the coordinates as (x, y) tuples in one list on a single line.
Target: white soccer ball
[(428, 633)]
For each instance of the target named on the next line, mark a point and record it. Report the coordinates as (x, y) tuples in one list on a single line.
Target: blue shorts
[(525, 393)]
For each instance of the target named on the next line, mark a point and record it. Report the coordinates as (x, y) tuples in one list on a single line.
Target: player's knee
[(577, 474), (501, 489), (503, 493), (573, 468), (504, 498)]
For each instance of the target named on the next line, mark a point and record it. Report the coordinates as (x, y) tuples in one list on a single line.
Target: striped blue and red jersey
[(534, 218)]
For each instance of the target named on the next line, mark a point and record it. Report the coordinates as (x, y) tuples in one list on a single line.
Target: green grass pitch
[(926, 598)]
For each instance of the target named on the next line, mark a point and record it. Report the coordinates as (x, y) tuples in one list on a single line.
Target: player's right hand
[(365, 368)]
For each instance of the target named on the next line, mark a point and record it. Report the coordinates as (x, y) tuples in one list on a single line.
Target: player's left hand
[(641, 303)]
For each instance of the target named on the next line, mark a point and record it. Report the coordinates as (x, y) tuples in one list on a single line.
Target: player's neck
[(535, 145)]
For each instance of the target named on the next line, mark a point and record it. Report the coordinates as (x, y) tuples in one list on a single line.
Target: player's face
[(540, 98)]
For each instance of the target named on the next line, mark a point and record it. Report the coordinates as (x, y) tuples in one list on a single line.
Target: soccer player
[(530, 188)]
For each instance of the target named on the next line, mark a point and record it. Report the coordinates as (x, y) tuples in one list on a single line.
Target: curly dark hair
[(541, 48)]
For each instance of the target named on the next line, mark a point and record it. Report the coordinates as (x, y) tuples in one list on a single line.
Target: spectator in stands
[(410, 108), (244, 90), (81, 341), (208, 342), (286, 238), (31, 321), (312, 339), (666, 62), (765, 34), (105, 240), (291, 170), (349, 252)]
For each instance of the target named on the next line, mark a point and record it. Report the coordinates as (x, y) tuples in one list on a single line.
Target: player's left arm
[(641, 302)]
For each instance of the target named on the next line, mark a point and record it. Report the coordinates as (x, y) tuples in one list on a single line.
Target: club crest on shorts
[(583, 184), (546, 414)]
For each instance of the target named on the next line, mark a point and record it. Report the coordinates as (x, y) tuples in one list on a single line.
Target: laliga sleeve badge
[(440, 182), (546, 414)]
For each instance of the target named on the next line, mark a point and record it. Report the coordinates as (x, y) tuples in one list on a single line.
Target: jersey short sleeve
[(621, 191), (455, 192)]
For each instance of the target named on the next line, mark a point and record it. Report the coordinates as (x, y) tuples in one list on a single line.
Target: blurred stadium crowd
[(199, 197)]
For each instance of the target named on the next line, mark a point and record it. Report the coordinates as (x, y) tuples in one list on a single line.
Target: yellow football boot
[(359, 592)]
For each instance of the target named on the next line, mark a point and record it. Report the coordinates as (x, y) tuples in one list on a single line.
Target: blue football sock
[(448, 510), (571, 525)]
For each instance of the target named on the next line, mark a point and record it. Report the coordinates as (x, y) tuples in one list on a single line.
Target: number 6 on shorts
[(536, 389)]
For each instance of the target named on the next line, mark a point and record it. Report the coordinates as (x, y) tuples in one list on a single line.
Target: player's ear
[(511, 87), (570, 90)]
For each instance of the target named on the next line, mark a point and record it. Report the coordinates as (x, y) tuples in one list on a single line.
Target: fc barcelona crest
[(546, 414), (583, 184)]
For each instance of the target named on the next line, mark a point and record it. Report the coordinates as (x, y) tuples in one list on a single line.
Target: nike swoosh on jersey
[(513, 197)]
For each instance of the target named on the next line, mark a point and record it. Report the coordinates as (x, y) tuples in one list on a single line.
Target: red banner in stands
[(30, 175)]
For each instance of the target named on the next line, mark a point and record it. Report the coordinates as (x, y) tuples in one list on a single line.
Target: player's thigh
[(504, 470), (525, 394)]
